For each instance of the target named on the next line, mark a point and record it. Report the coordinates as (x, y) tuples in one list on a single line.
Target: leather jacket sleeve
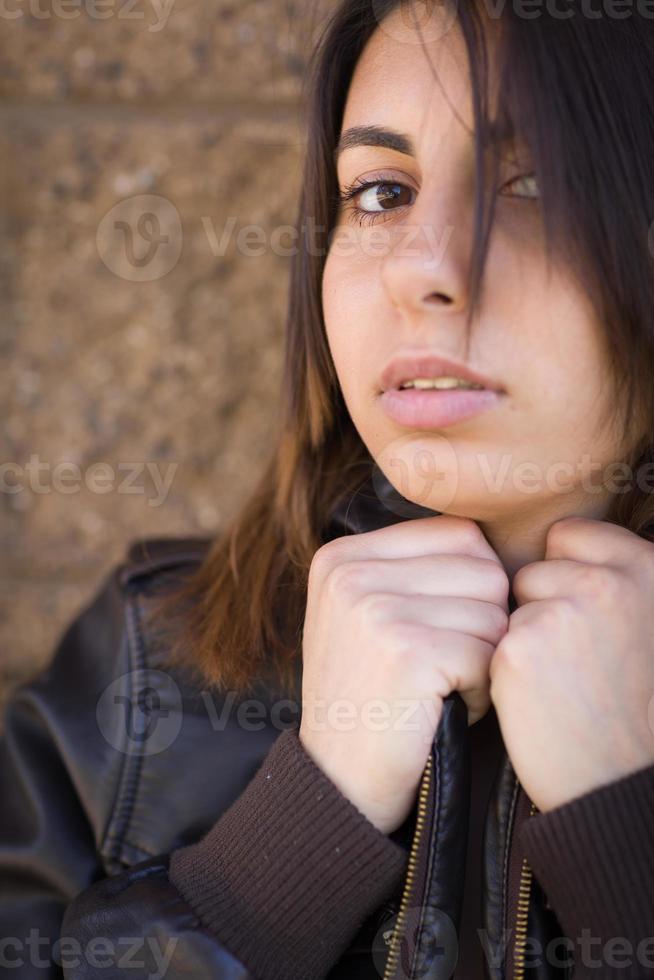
[(61, 914)]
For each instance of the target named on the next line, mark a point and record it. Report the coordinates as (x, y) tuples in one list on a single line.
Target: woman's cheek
[(346, 299)]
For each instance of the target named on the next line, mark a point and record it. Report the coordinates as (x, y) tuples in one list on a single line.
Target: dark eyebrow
[(374, 136), (500, 131)]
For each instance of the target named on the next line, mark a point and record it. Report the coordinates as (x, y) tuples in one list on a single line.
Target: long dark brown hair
[(579, 90)]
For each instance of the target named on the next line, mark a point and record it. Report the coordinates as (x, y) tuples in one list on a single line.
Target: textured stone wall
[(141, 349)]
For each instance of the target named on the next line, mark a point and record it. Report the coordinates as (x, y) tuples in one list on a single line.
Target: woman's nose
[(428, 264)]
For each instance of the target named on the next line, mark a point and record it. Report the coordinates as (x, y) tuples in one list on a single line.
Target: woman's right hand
[(396, 619)]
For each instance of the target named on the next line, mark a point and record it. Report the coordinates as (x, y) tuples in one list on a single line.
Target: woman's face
[(396, 284)]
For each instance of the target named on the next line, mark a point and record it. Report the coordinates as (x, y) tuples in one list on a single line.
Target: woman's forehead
[(406, 76)]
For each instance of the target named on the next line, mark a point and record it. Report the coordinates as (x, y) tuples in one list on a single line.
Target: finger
[(560, 578), (460, 663), (439, 575), (533, 611), (483, 620), (583, 539)]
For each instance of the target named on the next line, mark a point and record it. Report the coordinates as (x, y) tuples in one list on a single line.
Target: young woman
[(475, 218)]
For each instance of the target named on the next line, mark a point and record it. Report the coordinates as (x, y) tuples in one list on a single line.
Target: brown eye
[(383, 196)]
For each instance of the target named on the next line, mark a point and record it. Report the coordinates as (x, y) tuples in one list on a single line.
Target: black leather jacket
[(89, 816)]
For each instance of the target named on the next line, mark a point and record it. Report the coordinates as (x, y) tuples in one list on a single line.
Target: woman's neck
[(520, 539)]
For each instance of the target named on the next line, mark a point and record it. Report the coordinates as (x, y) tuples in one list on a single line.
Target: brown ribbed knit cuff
[(288, 874), (594, 858)]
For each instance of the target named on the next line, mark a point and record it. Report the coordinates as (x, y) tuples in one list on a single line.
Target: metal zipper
[(396, 938), (522, 917)]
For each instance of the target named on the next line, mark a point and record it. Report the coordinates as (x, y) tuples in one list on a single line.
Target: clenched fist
[(396, 619)]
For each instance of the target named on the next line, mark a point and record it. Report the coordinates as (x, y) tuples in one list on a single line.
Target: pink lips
[(434, 409), (425, 364)]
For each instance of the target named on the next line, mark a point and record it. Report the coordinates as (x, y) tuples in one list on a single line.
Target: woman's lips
[(435, 409)]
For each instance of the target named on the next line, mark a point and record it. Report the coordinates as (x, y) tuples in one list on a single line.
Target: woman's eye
[(526, 185), (381, 197), (374, 198)]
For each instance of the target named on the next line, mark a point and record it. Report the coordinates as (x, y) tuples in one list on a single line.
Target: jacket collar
[(374, 504)]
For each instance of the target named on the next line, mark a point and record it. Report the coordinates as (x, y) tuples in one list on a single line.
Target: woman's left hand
[(573, 677)]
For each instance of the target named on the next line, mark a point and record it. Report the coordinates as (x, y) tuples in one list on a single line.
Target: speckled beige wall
[(139, 373)]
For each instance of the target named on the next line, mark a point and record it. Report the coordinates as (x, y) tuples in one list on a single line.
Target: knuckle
[(324, 559), (468, 532), (561, 530), (498, 581), (471, 533), (345, 578), (558, 613), (597, 582), (376, 607), (398, 641), (506, 652)]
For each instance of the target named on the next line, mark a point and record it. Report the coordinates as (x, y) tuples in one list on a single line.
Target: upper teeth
[(442, 382)]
